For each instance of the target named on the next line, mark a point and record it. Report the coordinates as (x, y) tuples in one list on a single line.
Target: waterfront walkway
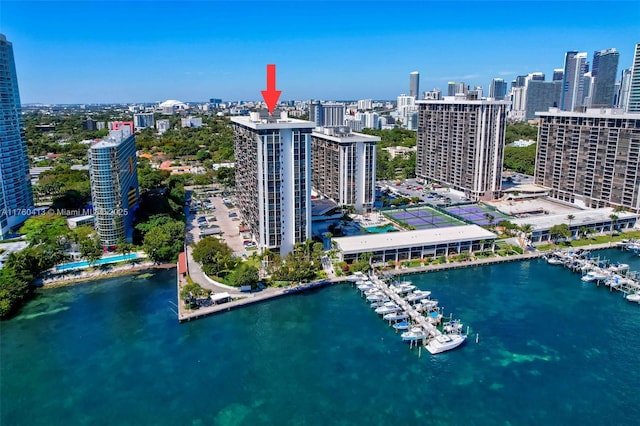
[(244, 299)]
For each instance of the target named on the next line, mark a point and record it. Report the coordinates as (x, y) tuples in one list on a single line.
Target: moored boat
[(445, 342), (633, 297)]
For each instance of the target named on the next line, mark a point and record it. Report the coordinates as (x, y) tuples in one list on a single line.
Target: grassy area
[(598, 239)]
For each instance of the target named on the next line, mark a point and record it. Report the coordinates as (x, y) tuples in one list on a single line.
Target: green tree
[(45, 229), (215, 256), (91, 249), (163, 243), (559, 231), (614, 222), (245, 275)]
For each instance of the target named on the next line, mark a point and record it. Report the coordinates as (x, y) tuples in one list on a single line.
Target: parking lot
[(428, 194), (212, 217)]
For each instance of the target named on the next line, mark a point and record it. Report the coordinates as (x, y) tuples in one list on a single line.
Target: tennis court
[(477, 214), (422, 218)]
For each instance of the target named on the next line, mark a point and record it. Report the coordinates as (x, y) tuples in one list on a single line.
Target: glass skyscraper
[(113, 172), (16, 199), (604, 71), (634, 89), (575, 66)]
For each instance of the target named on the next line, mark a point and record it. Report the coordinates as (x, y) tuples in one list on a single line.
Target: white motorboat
[(618, 267), (445, 342), (417, 295), (383, 310), (356, 277), (403, 325), (403, 288), (395, 316), (452, 326), (554, 260), (595, 275), (633, 297), (414, 334), (428, 304), (376, 297)]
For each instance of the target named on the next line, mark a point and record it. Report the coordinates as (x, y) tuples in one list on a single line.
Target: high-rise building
[(333, 114), (414, 84), (326, 114), (588, 88), (498, 89), (460, 144), (590, 158), (143, 120), (558, 74), (540, 96), (625, 89), (575, 65), (365, 104), (451, 88), (634, 88), (273, 178), (343, 166), (113, 173), (163, 126), (604, 72), (16, 198)]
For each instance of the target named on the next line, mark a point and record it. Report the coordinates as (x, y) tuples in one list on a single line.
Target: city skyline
[(193, 51)]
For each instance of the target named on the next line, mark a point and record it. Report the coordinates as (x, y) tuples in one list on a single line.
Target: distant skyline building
[(365, 104), (273, 179), (498, 89), (604, 72), (113, 174), (343, 166), (326, 114), (143, 120), (162, 126), (590, 158), (16, 197), (541, 95), (414, 84), (634, 88), (575, 66), (625, 89), (558, 74), (461, 143)]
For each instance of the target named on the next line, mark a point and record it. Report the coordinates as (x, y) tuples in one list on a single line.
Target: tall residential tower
[(16, 198), (273, 178), (604, 73), (414, 84), (115, 195), (343, 166), (634, 87), (590, 158), (575, 66), (461, 144)]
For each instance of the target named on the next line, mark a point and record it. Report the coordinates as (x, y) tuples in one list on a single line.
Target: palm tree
[(526, 229), (570, 217), (614, 220), (490, 218)]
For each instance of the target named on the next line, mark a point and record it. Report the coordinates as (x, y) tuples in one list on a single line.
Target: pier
[(599, 270)]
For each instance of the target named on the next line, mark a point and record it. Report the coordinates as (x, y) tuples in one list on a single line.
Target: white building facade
[(273, 179)]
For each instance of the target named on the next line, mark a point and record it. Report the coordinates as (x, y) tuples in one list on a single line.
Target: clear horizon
[(144, 52)]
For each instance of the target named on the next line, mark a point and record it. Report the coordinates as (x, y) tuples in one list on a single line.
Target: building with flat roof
[(113, 173), (633, 104), (594, 220), (343, 166), (143, 120), (604, 72), (273, 178), (407, 245), (461, 143), (590, 158), (414, 84), (16, 197), (575, 66)]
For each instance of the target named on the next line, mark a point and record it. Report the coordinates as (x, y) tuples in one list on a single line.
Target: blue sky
[(147, 51)]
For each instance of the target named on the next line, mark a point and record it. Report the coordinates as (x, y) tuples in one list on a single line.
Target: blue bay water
[(552, 350)]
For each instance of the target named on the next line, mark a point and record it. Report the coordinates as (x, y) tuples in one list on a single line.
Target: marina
[(599, 270), (406, 308)]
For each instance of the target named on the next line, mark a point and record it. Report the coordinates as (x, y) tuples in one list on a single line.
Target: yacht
[(415, 334), (417, 295), (388, 309), (395, 316), (452, 326), (403, 325), (633, 297), (357, 276), (376, 297), (445, 342)]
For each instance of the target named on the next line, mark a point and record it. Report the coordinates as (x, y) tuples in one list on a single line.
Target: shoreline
[(99, 275)]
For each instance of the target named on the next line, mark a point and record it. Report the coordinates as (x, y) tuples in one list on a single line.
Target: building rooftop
[(462, 100), (255, 122), (393, 240), (591, 112), (583, 217), (341, 136)]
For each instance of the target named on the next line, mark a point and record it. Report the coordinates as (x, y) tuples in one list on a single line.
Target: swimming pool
[(381, 229), (103, 261)]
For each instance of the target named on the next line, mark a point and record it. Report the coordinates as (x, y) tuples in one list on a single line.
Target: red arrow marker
[(271, 95)]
